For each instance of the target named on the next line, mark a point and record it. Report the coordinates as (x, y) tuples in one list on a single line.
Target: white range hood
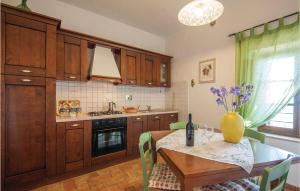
[(103, 65)]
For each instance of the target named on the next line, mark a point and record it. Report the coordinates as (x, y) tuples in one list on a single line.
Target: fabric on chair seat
[(247, 184), (237, 185), (163, 178)]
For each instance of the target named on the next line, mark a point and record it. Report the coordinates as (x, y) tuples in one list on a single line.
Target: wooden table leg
[(186, 186), (154, 152)]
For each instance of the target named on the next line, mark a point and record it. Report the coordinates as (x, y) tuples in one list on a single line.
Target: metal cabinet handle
[(156, 117), (149, 83), (75, 125), (138, 118), (26, 80), (172, 115), (72, 77), (131, 81), (26, 71), (164, 84)]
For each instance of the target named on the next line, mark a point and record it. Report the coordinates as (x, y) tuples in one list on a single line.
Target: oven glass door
[(108, 140)]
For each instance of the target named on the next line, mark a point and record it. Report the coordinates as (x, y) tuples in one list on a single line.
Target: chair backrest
[(255, 135), (178, 125), (145, 142), (277, 173)]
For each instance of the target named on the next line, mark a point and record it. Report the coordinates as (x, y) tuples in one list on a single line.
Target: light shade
[(200, 12)]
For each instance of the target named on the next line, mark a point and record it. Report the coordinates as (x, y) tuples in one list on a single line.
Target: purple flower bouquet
[(238, 95)]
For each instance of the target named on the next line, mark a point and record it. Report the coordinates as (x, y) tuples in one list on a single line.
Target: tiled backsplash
[(95, 95)]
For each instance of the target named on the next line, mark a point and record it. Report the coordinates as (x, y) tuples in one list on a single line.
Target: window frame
[(295, 132)]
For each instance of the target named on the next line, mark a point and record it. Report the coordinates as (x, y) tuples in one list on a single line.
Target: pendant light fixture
[(200, 12)]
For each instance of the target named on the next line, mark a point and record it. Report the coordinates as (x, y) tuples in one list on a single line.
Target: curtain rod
[(263, 24)]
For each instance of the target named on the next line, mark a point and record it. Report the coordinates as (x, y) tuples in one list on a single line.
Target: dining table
[(194, 171)]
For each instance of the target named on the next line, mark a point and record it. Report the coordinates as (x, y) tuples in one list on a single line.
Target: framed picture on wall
[(207, 71)]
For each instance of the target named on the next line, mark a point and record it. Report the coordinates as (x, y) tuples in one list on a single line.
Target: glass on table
[(209, 132)]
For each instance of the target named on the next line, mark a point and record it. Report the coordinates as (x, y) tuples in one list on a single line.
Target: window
[(287, 121)]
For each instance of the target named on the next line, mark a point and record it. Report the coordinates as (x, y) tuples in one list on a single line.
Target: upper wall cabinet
[(145, 69), (164, 72), (28, 43), (72, 63), (130, 67), (149, 65)]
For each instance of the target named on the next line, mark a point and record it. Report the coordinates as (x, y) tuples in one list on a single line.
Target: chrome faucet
[(111, 106)]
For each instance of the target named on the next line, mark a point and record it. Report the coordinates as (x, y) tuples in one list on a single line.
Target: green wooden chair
[(277, 173), (177, 125), (259, 137), (180, 125), (255, 135), (159, 175)]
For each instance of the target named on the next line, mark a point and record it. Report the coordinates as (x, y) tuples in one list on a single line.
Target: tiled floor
[(122, 177)]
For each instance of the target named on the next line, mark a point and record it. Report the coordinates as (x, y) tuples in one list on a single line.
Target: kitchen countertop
[(85, 117)]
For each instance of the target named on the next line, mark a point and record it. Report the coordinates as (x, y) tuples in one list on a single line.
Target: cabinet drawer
[(138, 118), (74, 77), (156, 117), (25, 80), (173, 115), (74, 125), (24, 71)]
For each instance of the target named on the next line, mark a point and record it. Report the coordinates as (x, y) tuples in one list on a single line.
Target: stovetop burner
[(99, 113)]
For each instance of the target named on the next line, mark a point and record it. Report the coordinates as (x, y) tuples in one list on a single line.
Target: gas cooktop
[(99, 113)]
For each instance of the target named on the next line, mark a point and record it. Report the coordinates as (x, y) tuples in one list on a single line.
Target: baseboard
[(292, 187)]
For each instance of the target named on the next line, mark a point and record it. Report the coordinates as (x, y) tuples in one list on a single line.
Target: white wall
[(195, 44), (87, 22)]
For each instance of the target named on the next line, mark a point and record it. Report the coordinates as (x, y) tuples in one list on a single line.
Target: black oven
[(108, 136)]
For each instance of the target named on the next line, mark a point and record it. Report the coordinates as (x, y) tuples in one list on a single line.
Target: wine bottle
[(190, 132)]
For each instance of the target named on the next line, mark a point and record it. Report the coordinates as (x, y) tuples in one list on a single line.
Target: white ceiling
[(160, 16)]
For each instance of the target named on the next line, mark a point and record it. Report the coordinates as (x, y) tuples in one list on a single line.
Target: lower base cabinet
[(168, 119), (135, 127), (73, 145), (139, 124), (156, 122)]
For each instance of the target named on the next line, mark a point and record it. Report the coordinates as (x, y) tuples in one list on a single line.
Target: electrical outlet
[(128, 97)]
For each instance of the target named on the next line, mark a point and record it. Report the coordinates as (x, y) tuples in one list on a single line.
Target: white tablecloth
[(216, 148)]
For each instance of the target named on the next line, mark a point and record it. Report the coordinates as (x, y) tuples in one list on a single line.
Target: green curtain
[(269, 61)]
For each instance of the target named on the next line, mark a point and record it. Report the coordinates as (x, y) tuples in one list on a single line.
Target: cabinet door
[(155, 122), (164, 72), (28, 47), (149, 66), (73, 146), (29, 126), (71, 58), (135, 127), (130, 67), (170, 118)]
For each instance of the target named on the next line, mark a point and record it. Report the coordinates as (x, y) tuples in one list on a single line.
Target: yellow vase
[(232, 127)]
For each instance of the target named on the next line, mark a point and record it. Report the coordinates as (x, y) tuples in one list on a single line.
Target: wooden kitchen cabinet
[(149, 69), (164, 72), (73, 145), (28, 43), (168, 119), (130, 67), (28, 124), (72, 61), (156, 122), (135, 127)]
